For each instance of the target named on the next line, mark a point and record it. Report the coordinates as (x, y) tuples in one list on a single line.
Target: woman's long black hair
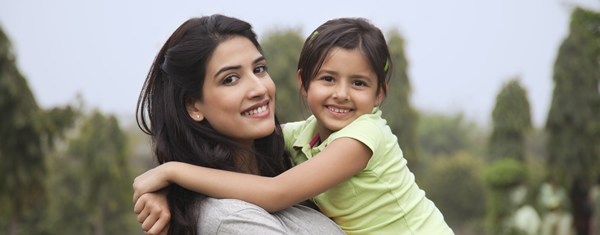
[(176, 74)]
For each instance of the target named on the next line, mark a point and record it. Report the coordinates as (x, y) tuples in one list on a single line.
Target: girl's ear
[(194, 108), (302, 91), (380, 95)]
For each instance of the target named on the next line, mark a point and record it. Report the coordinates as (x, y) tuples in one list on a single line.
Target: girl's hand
[(153, 212), (152, 180)]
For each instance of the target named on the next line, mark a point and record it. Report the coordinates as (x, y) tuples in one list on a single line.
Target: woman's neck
[(247, 163)]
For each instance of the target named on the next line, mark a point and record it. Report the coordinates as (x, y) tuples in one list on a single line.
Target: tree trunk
[(99, 223), (14, 223)]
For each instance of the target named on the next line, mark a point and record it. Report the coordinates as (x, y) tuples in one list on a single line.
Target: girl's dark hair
[(178, 73), (346, 33)]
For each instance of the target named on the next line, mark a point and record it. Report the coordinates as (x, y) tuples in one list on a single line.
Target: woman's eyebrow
[(226, 69), (259, 59)]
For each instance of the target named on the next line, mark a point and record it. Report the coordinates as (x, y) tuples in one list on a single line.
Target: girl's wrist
[(167, 170)]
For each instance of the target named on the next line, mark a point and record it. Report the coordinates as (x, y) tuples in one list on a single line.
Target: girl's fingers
[(149, 221), (160, 224)]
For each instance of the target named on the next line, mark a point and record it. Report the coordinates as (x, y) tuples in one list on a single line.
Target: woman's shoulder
[(231, 216), (214, 206)]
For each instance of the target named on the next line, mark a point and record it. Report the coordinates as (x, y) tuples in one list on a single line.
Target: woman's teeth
[(338, 110), (257, 110)]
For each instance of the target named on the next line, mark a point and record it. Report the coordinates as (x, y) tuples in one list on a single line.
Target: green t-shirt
[(383, 198)]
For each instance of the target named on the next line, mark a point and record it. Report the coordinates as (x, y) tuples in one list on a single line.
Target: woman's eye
[(260, 69), (230, 79)]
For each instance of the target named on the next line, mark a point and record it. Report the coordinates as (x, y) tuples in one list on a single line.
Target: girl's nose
[(341, 92)]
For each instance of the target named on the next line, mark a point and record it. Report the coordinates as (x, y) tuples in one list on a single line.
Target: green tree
[(454, 185), (27, 133), (100, 174), (573, 123), (500, 178), (282, 48), (397, 110), (512, 119), (443, 135), (22, 170)]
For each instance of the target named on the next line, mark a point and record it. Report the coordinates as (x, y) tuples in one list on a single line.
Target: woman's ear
[(194, 108), (302, 90)]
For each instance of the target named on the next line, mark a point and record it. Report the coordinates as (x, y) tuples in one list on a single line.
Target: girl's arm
[(339, 161)]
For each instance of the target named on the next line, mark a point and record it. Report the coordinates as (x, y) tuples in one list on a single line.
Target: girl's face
[(344, 89), (238, 99)]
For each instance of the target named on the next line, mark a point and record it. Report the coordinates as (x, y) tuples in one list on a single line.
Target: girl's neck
[(324, 133)]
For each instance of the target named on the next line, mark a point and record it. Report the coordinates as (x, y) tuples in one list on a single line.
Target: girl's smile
[(339, 111), (344, 89)]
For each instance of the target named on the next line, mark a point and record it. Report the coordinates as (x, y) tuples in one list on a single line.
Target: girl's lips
[(338, 111)]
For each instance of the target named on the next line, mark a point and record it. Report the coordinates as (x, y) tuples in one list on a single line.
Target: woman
[(208, 100)]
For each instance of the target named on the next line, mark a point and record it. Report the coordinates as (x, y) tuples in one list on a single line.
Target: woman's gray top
[(231, 216)]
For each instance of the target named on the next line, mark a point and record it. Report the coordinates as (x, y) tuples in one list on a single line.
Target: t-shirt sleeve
[(363, 129), (290, 130)]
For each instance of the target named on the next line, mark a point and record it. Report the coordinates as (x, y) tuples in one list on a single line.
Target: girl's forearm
[(265, 192), (342, 159)]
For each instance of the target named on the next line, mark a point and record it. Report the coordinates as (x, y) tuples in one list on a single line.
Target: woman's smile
[(238, 99), (259, 110)]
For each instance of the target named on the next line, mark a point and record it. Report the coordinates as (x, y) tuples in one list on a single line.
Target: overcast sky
[(460, 52)]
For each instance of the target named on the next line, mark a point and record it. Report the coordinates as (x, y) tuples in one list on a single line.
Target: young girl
[(348, 160)]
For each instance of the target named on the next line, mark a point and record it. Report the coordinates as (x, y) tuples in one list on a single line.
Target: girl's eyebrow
[(359, 77), (356, 76), (328, 72), (237, 67)]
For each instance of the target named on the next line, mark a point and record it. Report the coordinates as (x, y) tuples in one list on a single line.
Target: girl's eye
[(230, 79), (358, 83), (327, 79), (260, 69)]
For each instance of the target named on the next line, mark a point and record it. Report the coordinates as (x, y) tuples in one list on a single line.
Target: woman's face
[(239, 95)]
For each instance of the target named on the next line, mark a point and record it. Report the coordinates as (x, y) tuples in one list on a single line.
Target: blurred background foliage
[(69, 170)]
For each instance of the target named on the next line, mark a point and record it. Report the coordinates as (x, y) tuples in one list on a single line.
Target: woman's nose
[(257, 87)]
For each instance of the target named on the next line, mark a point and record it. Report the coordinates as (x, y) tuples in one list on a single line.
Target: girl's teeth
[(339, 110)]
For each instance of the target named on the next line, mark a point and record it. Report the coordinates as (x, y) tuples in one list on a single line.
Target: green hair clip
[(387, 64), (311, 38)]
